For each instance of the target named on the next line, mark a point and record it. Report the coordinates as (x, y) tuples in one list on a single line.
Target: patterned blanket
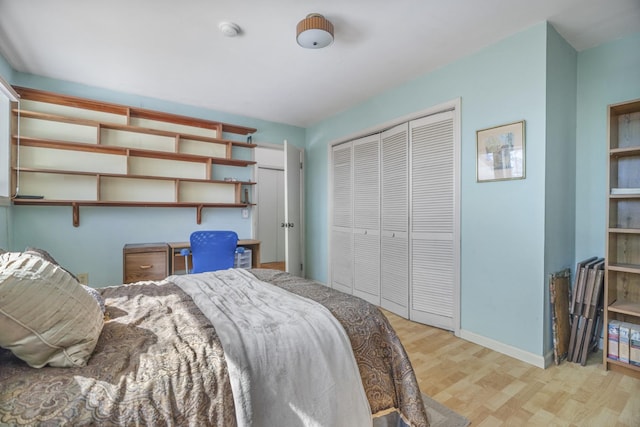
[(159, 362), (387, 374)]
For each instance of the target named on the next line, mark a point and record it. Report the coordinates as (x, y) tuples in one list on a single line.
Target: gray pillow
[(46, 316), (96, 296), (46, 255)]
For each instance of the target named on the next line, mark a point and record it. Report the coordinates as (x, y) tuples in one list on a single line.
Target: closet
[(433, 215), (394, 218), (394, 259), (342, 218), (366, 218)]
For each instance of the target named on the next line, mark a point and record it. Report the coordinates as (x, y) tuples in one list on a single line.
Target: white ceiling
[(173, 50)]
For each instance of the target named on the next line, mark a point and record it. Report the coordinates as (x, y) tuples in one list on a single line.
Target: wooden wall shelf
[(123, 110), (71, 151)]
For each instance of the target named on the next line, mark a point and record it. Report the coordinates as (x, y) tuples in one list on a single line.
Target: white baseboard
[(525, 356)]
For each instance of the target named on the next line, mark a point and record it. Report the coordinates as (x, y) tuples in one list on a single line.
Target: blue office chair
[(212, 250)]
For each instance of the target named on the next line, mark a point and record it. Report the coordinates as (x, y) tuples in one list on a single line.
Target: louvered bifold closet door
[(394, 246), (366, 218), (342, 219), (433, 257)]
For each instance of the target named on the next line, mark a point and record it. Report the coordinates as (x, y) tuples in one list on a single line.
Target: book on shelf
[(615, 191), (634, 345), (623, 342), (613, 335)]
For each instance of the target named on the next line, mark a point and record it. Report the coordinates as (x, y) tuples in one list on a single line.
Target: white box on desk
[(243, 259)]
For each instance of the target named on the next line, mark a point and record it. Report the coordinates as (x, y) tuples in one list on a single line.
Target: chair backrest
[(213, 250)]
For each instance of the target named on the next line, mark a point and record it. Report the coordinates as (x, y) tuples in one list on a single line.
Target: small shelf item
[(622, 266), (72, 151), (28, 196), (626, 191)]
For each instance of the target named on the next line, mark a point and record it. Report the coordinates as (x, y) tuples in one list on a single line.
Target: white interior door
[(271, 231), (394, 246), (433, 218), (294, 256)]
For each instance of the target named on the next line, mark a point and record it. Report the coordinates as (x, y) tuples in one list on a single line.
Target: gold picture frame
[(500, 152)]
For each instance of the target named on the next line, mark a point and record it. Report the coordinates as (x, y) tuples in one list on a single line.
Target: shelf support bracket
[(199, 214), (76, 214)]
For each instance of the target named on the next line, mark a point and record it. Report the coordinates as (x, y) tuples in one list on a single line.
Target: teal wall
[(608, 74), (4, 227), (96, 245), (502, 228), (6, 72), (559, 253)]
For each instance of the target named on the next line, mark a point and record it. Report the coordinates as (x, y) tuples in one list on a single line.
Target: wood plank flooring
[(492, 389), (279, 265)]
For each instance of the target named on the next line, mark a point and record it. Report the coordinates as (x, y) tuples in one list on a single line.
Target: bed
[(159, 360)]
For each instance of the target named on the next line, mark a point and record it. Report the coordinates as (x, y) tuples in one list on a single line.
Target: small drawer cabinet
[(145, 261), (243, 259)]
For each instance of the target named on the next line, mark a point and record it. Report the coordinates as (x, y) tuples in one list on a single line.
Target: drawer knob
[(145, 267)]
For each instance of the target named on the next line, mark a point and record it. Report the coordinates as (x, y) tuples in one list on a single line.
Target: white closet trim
[(452, 105)]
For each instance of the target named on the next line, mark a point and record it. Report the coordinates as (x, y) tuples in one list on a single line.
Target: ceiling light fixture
[(314, 32), (229, 29)]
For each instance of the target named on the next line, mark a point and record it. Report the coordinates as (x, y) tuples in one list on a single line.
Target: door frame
[(256, 167), (282, 166)]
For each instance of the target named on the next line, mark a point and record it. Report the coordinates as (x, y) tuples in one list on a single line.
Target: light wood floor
[(279, 265), (492, 389)]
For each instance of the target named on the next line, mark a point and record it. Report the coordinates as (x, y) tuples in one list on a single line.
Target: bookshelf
[(622, 266), (80, 152)]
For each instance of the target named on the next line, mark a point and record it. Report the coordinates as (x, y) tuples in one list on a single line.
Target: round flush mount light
[(314, 32), (229, 29)]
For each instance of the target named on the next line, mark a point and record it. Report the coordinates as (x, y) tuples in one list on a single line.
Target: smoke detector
[(229, 29)]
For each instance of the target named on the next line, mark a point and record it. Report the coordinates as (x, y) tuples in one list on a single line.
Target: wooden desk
[(145, 261), (177, 261)]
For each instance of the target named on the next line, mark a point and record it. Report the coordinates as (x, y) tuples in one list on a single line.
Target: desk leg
[(178, 265), (255, 256)]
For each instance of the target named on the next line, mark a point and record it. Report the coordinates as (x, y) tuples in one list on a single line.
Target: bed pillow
[(96, 296), (46, 255), (46, 317)]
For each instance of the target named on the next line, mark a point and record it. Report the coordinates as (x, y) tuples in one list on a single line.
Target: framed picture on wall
[(500, 152)]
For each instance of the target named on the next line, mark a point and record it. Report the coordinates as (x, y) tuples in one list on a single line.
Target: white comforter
[(290, 361)]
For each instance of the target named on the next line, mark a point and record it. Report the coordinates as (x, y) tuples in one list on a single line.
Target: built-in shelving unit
[(622, 278), (80, 152)]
